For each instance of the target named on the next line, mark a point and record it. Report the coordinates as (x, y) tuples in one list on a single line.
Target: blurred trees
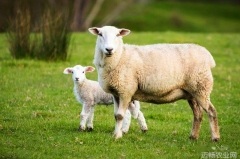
[(52, 37), (81, 20), (81, 12), (52, 21)]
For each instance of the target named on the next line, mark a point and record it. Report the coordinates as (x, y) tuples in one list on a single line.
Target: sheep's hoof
[(144, 130), (81, 129), (89, 129), (117, 135), (215, 139), (193, 137), (125, 132)]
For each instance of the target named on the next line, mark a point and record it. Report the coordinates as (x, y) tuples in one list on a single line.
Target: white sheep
[(160, 73), (89, 93)]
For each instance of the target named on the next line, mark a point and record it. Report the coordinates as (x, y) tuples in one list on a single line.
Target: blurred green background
[(136, 15)]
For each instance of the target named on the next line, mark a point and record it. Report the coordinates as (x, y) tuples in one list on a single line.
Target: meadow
[(39, 115)]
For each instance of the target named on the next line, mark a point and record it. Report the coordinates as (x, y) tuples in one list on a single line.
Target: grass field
[(39, 115)]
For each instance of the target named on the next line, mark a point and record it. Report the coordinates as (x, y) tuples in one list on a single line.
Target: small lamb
[(89, 93)]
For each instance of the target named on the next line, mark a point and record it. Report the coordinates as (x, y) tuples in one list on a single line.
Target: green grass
[(39, 115), (177, 16)]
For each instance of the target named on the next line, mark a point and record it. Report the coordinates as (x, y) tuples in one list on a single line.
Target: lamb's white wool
[(159, 73), (89, 93)]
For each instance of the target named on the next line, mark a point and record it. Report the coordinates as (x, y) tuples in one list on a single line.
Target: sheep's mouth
[(108, 54)]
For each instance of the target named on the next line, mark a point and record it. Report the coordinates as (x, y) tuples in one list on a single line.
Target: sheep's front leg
[(90, 120), (84, 116), (119, 115)]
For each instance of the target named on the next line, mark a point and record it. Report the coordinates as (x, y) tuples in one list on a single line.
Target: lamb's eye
[(72, 72), (83, 72), (100, 34)]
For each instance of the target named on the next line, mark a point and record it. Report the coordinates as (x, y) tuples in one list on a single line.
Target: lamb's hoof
[(81, 129), (193, 137), (144, 130), (89, 129), (215, 139)]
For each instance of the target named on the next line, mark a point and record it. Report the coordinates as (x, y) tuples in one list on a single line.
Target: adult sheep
[(160, 73)]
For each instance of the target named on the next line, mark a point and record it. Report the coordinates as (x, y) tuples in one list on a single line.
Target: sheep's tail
[(208, 58), (212, 62)]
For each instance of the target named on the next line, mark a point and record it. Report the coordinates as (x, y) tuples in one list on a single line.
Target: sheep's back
[(164, 67)]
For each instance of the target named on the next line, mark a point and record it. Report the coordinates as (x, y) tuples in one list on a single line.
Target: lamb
[(159, 73), (89, 93)]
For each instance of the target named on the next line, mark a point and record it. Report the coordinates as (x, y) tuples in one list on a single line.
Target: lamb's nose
[(109, 49), (77, 79)]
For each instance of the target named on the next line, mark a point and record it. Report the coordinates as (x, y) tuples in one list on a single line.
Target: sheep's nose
[(109, 49), (77, 79)]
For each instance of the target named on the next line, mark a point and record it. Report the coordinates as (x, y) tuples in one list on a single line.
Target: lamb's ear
[(123, 32), (94, 30), (67, 71), (89, 69)]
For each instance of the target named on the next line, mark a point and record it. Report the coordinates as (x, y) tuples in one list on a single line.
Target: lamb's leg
[(134, 108), (212, 116), (126, 122), (198, 113), (116, 105), (90, 120), (119, 115), (84, 116)]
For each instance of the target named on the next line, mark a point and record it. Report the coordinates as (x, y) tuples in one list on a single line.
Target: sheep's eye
[(72, 72), (100, 34), (83, 72)]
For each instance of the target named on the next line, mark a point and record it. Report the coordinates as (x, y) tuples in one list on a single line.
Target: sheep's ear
[(94, 30), (123, 32), (89, 69), (67, 71)]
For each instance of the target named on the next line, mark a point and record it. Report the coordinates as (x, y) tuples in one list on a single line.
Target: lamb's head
[(78, 72), (109, 38)]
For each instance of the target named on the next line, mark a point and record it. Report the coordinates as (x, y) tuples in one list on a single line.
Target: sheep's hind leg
[(134, 108), (90, 120), (198, 113), (142, 122), (212, 116)]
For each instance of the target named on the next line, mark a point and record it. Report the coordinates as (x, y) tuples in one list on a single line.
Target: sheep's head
[(108, 38), (78, 72)]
